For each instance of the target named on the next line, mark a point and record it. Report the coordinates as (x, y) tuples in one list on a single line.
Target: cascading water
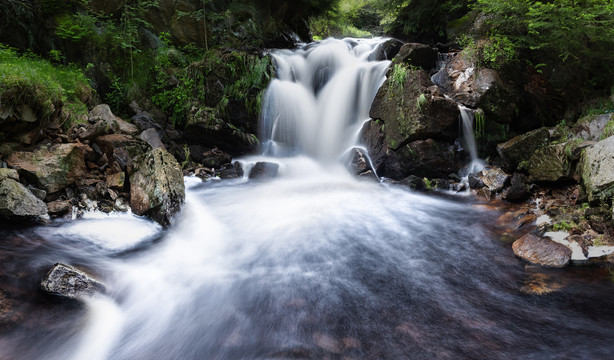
[(467, 120), (311, 265), (320, 98)]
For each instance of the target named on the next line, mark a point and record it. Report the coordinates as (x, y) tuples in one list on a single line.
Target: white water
[(467, 120), (320, 99)]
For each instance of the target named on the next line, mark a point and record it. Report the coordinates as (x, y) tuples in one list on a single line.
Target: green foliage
[(563, 226), (428, 184), (608, 130), (480, 125), (493, 52), (421, 101), (398, 76), (28, 79)]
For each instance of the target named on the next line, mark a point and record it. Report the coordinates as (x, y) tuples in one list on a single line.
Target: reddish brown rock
[(542, 251)]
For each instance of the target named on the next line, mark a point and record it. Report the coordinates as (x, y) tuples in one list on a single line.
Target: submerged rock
[(264, 170), (156, 186), (70, 282), (542, 251)]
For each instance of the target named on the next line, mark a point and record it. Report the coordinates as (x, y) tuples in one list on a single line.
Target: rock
[(215, 158), (51, 169), (415, 54), (542, 251), (598, 170), (126, 127), (475, 182), (494, 179), (357, 161), (427, 158), (550, 163), (27, 114), (121, 148), (372, 136), (413, 182), (523, 146), (151, 137), (70, 282), (411, 112), (17, 202), (518, 190), (116, 180), (591, 127), (156, 186), (263, 170), (386, 50), (144, 121), (8, 174), (100, 127), (59, 207), (231, 171), (41, 194)]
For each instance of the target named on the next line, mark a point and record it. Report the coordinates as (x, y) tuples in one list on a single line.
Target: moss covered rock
[(156, 186), (598, 170), (521, 147), (550, 163)]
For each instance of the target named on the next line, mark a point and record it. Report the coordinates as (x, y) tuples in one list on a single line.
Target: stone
[(59, 207), (51, 169), (410, 112), (263, 170), (116, 180), (121, 148), (427, 158), (9, 174), (151, 137), (518, 190), (475, 182), (99, 127), (17, 202), (126, 127), (215, 158), (41, 194), (357, 161), (494, 179), (386, 50), (27, 114), (231, 171), (550, 163), (70, 282), (591, 128), (598, 170), (156, 186), (521, 147), (415, 54), (542, 251)]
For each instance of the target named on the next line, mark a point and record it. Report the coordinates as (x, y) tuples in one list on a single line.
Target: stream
[(313, 264)]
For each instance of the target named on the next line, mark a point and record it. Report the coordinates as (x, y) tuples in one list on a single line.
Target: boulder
[(427, 158), (116, 180), (494, 179), (126, 127), (215, 158), (591, 128), (475, 181), (521, 147), (357, 161), (598, 170), (16, 201), (59, 207), (263, 170), (121, 148), (542, 251), (418, 55), (51, 169), (412, 110), (8, 174), (550, 163), (231, 171), (386, 50), (156, 186), (151, 137), (70, 282), (99, 127)]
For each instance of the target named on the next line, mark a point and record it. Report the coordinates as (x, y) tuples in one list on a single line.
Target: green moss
[(608, 130)]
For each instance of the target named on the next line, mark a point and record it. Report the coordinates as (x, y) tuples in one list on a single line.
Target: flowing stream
[(313, 264)]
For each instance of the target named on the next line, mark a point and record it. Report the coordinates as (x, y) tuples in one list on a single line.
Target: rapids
[(313, 264)]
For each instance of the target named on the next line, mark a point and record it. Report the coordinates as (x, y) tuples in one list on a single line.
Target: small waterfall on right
[(475, 164)]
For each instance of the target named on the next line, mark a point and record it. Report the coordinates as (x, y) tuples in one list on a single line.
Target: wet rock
[(17, 202), (231, 171), (475, 182), (116, 180), (54, 168), (550, 163), (215, 158), (386, 50), (598, 170), (494, 179), (357, 161), (59, 207), (156, 186), (263, 170), (418, 55), (151, 137), (519, 189), (523, 146), (410, 111), (542, 251), (70, 282), (427, 158)]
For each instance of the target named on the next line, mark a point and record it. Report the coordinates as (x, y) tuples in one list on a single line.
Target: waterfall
[(320, 98), (467, 120)]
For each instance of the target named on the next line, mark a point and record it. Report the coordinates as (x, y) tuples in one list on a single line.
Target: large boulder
[(156, 186), (418, 55), (70, 282), (542, 251), (521, 147), (591, 127), (51, 169), (428, 158), (550, 163), (16, 201), (386, 50), (413, 110), (598, 170)]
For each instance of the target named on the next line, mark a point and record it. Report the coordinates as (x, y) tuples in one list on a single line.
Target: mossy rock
[(598, 170), (550, 163)]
